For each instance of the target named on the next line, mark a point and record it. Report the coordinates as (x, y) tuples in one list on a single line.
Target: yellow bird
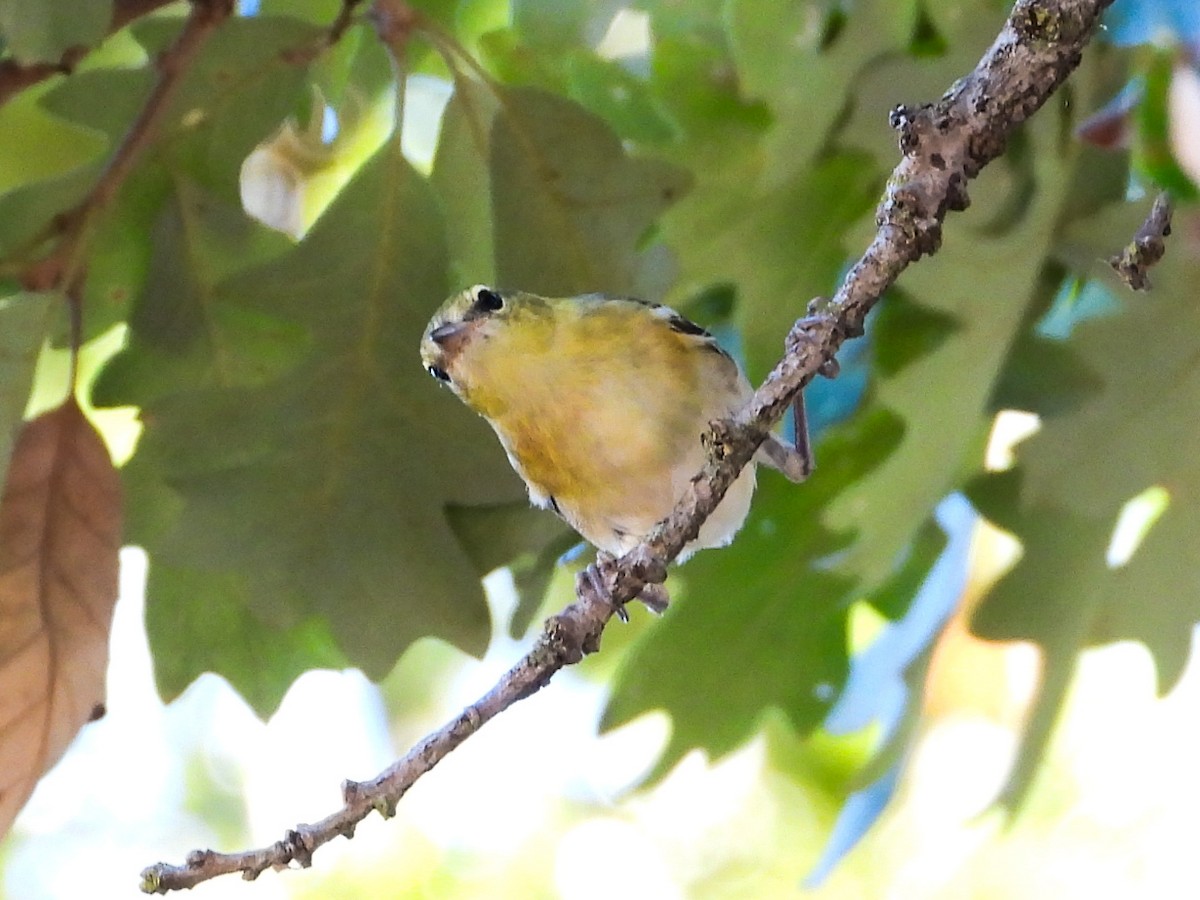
[(600, 403)]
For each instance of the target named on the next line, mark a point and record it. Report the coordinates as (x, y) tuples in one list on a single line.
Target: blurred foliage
[(308, 497), (43, 32)]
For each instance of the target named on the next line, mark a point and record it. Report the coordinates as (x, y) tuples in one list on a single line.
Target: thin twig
[(303, 56), (1147, 247), (342, 21), (62, 264), (74, 226), (15, 77), (563, 641), (944, 146)]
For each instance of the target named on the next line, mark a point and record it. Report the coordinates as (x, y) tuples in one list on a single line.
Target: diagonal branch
[(16, 77), (945, 144), (61, 266), (73, 228)]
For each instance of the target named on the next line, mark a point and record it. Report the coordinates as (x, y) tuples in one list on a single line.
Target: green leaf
[(98, 107), (210, 622), (323, 493), (1152, 145), (532, 578), (240, 88), (513, 63), (770, 623), (24, 321), (892, 79), (231, 100), (43, 31), (494, 536), (620, 98), (568, 206), (105, 100), (1051, 597), (1077, 473), (461, 178), (1044, 374), (945, 428), (318, 12), (185, 336), (904, 331), (781, 247), (119, 256), (529, 541), (690, 79), (893, 596), (550, 24), (700, 22), (790, 56), (39, 146)]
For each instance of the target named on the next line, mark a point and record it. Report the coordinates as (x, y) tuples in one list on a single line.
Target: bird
[(600, 402)]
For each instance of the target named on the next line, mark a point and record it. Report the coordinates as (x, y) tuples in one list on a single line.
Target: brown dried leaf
[(60, 531)]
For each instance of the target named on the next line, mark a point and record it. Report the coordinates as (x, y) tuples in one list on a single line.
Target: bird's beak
[(448, 336), (443, 344)]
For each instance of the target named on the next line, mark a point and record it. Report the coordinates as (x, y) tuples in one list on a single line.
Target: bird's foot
[(653, 594), (589, 581)]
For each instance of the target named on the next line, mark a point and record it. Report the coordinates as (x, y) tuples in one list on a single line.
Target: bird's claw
[(590, 581), (653, 595)]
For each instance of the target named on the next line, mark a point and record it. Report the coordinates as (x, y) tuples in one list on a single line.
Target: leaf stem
[(395, 21)]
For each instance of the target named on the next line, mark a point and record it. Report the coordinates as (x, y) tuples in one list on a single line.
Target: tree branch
[(61, 266), (333, 33), (945, 144), (1147, 247), (15, 77)]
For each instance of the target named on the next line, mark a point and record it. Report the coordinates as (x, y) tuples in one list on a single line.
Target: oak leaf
[(60, 533)]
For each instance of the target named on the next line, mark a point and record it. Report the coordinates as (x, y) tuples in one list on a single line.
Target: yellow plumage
[(600, 403)]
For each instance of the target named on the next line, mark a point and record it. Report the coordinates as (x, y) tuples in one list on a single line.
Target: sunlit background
[(539, 805)]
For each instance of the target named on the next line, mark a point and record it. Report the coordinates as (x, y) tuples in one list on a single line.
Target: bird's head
[(476, 341)]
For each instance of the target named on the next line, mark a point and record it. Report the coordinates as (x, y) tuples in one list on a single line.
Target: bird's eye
[(439, 373), (488, 300)]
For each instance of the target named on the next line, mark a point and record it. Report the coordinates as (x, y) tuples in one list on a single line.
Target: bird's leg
[(795, 460), (653, 572), (654, 595)]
